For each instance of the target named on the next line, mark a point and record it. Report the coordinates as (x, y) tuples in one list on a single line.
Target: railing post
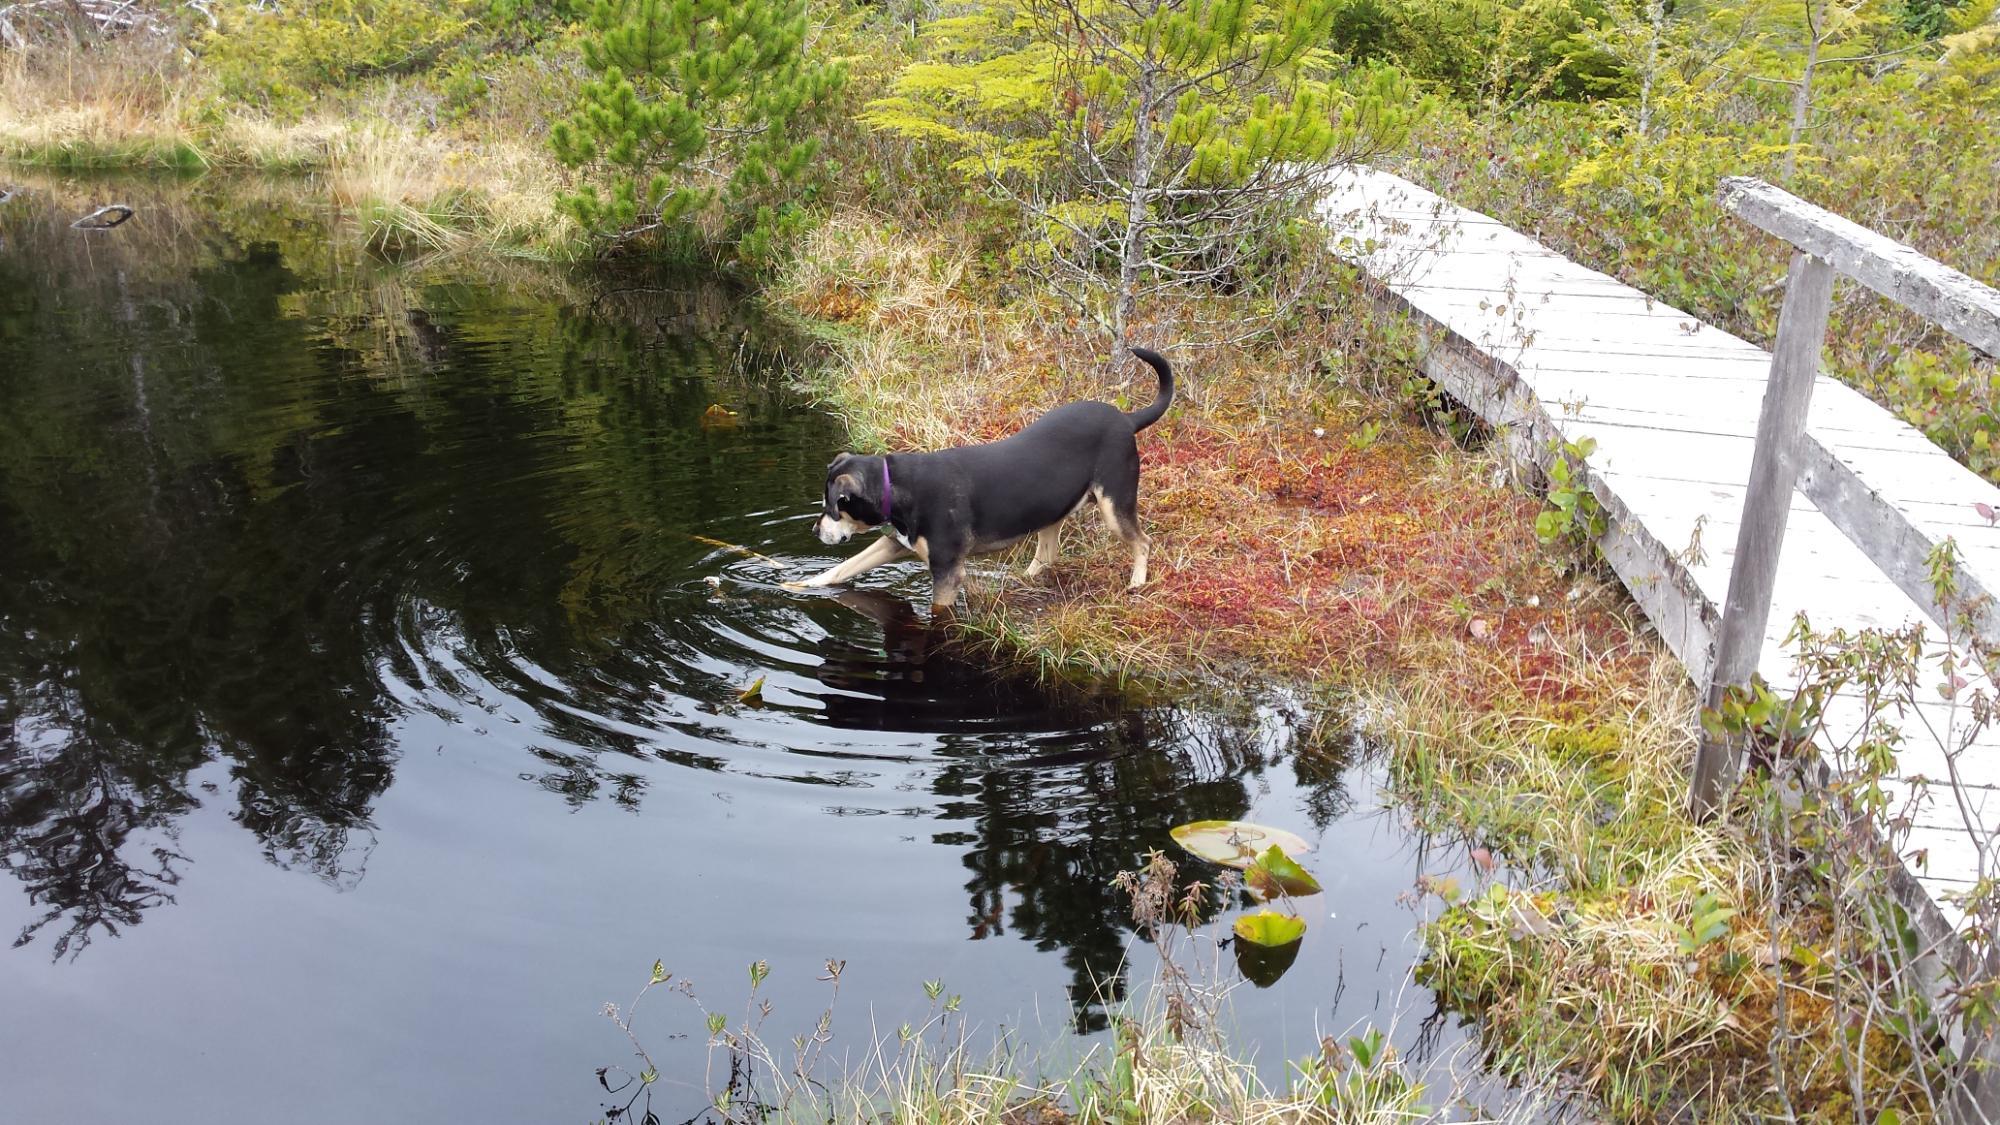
[(1774, 470)]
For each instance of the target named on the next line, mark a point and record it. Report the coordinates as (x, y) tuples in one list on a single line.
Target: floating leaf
[(1234, 843), (752, 694), (1261, 966), (1270, 929), (1274, 874), (718, 417)]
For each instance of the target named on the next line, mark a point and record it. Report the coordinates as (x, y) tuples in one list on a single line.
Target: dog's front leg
[(947, 576), (883, 550)]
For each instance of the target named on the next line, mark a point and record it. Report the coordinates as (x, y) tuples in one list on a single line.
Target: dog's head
[(853, 498)]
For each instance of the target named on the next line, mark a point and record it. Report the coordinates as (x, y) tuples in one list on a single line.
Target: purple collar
[(888, 490)]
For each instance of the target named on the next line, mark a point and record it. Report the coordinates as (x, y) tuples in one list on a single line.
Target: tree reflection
[(1077, 788), (234, 496), (69, 817), (260, 506)]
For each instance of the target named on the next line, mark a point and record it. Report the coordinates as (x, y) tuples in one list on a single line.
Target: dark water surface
[(367, 722)]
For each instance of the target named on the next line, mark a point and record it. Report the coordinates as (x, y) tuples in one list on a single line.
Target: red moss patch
[(1295, 552)]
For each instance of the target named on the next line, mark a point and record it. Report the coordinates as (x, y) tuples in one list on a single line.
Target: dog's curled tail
[(1165, 398)]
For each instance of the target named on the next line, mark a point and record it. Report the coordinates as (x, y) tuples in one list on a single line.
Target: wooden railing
[(1787, 456)]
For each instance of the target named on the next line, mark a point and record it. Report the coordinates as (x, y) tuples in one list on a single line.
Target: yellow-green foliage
[(1145, 147), (1899, 137), (1011, 93), (276, 57), (1487, 50)]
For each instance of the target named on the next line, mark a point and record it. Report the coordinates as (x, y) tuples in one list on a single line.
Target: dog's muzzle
[(833, 532)]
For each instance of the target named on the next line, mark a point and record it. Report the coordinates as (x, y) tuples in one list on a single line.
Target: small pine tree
[(1157, 143), (697, 105)]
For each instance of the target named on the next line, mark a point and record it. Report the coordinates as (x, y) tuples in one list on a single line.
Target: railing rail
[(1824, 244), (1956, 303)]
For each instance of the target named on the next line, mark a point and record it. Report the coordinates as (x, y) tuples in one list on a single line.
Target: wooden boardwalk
[(1547, 350)]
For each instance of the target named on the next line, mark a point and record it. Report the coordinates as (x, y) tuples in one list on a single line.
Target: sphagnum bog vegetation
[(977, 202)]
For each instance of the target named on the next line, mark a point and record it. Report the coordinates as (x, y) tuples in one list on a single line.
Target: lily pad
[(1273, 873), (1261, 966), (1235, 843), (1270, 929)]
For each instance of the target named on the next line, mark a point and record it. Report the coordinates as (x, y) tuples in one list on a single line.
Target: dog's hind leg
[(883, 550), (1046, 543), (1121, 514)]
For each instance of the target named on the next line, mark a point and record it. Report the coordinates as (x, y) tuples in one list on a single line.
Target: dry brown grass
[(133, 106), (413, 191), (409, 185)]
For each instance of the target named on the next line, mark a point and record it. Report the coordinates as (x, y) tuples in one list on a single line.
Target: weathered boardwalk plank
[(1550, 350)]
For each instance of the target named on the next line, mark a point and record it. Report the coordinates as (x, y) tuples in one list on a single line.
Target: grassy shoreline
[(396, 191), (402, 180)]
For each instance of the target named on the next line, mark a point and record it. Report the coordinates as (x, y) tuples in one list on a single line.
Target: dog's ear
[(834, 465), (845, 487)]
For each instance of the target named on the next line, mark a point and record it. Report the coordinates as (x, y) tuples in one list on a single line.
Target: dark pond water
[(367, 722)]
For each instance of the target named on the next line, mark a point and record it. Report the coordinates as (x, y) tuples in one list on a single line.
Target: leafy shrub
[(1572, 514), (278, 58), (463, 84), (516, 25), (1487, 50), (1901, 142)]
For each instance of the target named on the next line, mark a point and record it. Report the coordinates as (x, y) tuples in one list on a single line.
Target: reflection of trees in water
[(159, 626), (1073, 790), (215, 521), (1052, 831), (69, 816)]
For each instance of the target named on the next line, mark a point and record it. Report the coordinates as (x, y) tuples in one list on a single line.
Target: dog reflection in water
[(906, 634), (926, 679)]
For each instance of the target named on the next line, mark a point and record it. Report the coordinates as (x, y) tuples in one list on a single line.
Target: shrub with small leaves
[(1573, 513), (279, 58)]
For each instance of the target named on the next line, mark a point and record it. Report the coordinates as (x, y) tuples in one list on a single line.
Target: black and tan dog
[(948, 505)]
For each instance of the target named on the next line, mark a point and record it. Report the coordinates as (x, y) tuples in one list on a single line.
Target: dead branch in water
[(104, 218)]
